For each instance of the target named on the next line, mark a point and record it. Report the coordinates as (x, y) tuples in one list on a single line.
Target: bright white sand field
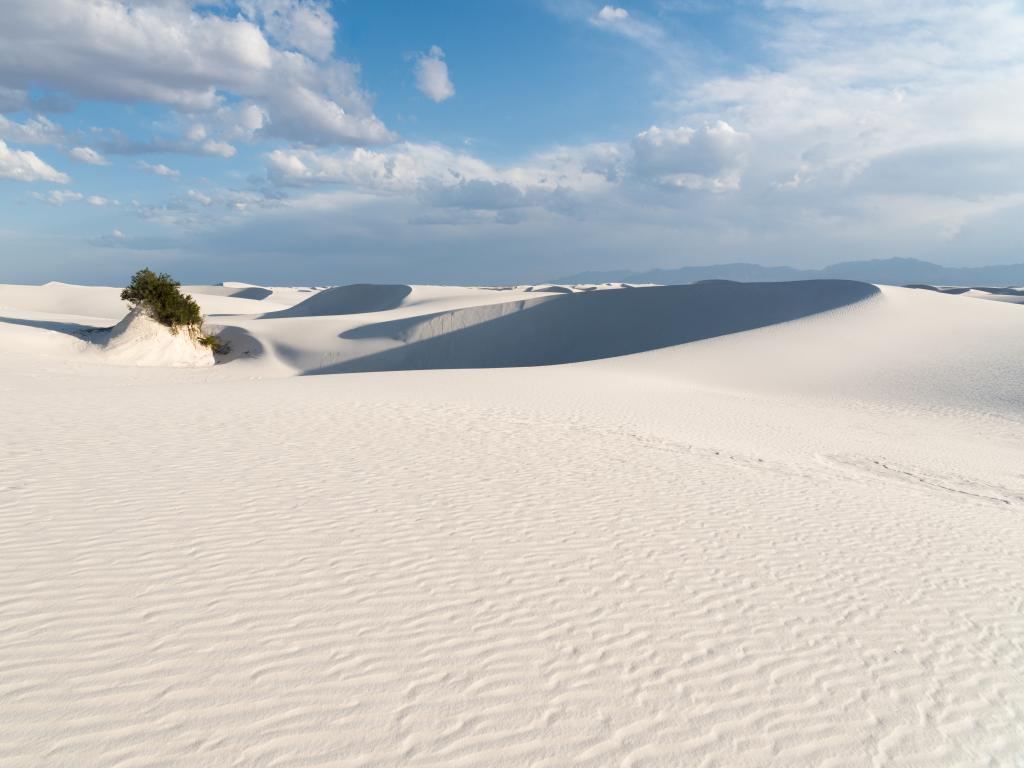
[(710, 525)]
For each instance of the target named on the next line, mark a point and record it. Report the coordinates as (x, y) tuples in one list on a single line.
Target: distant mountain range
[(886, 271)]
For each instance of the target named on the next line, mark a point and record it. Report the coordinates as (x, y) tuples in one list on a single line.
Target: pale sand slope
[(140, 340), (799, 545)]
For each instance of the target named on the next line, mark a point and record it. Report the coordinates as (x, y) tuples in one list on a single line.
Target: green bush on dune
[(215, 343), (160, 297)]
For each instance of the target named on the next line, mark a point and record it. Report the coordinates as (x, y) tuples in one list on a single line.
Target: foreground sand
[(796, 545)]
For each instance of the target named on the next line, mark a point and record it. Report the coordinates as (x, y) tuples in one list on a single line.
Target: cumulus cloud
[(242, 121), (62, 196), (301, 25), (58, 196), (610, 13), (34, 130), (199, 197), (307, 115), (410, 167), (218, 148), (440, 177), (173, 52), (118, 144), (195, 132), (710, 157), (87, 155), (857, 83), (159, 169), (619, 21), (431, 73), (22, 165), (891, 128), (400, 169), (159, 51)]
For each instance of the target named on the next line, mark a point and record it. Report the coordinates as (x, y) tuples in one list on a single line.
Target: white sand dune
[(1009, 295), (139, 340), (789, 533), (590, 326), (1007, 298), (348, 300), (233, 290), (104, 302), (64, 299)]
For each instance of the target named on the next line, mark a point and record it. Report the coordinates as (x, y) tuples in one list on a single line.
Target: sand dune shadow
[(347, 300), (72, 329), (566, 328)]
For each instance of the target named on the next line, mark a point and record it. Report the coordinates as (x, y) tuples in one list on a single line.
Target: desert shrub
[(161, 298), (216, 343)]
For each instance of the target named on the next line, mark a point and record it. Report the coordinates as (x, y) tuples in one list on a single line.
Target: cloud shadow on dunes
[(589, 326), (347, 300)]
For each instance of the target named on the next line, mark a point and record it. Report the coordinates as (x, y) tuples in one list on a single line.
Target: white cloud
[(62, 196), (947, 216), (58, 196), (217, 148), (199, 197), (169, 52), (709, 158), (22, 165), (87, 155), (35, 130), (155, 51), (302, 25), (845, 127), (196, 132), (303, 114), (610, 13), (242, 121), (431, 73), (159, 169), (439, 177), (401, 169), (858, 81), (618, 21), (118, 144)]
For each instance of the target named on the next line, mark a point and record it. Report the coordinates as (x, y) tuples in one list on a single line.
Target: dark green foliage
[(216, 343), (161, 298)]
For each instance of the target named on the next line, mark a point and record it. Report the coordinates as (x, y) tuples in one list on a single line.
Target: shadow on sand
[(72, 329), (567, 328), (347, 300)]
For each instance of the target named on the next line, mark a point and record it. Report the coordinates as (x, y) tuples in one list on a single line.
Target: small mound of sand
[(140, 340), (348, 300), (548, 288)]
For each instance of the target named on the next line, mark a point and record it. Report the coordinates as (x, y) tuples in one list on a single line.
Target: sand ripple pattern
[(397, 583)]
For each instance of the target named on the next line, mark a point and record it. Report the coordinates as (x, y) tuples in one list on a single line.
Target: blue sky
[(304, 141)]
